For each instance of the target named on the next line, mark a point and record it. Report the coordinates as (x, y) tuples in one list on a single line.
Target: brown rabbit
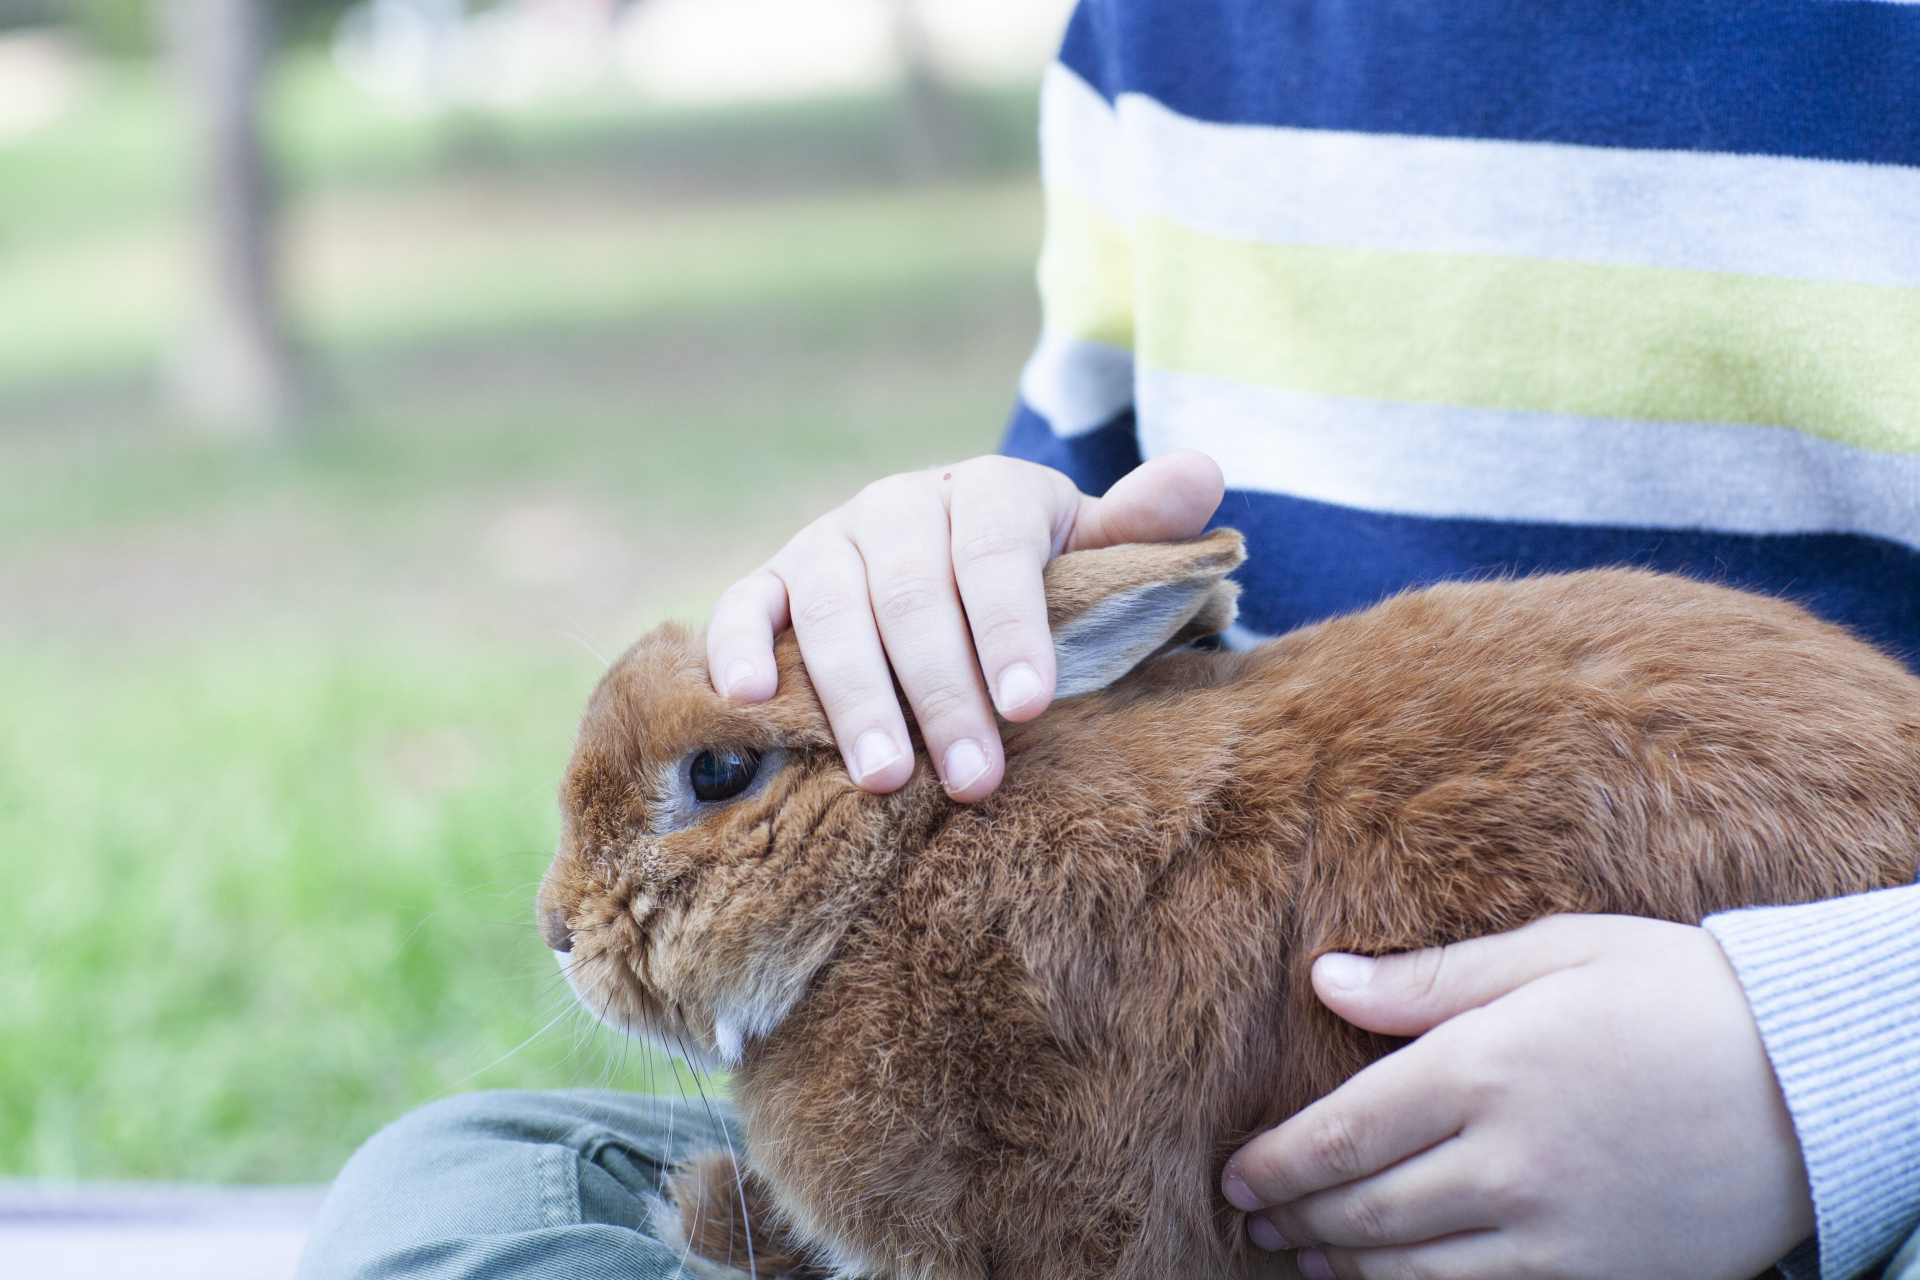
[(1019, 1039)]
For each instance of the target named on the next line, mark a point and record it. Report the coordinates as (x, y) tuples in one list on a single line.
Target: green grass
[(260, 898), (280, 724), (120, 158)]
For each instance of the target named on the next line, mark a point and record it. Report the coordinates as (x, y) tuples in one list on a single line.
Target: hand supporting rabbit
[(1572, 1076)]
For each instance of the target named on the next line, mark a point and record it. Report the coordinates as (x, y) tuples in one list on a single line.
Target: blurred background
[(368, 375)]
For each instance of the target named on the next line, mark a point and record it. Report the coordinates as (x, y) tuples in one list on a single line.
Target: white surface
[(91, 1251), (136, 1231)]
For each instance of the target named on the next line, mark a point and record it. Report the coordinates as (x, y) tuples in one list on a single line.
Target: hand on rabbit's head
[(712, 853)]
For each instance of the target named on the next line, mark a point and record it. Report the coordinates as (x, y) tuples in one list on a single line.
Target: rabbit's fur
[(1019, 1038)]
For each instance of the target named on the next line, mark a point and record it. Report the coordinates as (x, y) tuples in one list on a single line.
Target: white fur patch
[(753, 1017), (729, 1039)]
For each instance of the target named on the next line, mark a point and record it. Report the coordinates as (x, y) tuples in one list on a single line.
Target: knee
[(440, 1178), (478, 1126), (501, 1115), (472, 1176)]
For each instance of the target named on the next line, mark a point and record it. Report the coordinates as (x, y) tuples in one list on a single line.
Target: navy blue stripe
[(1092, 461), (1816, 78), (1313, 560)]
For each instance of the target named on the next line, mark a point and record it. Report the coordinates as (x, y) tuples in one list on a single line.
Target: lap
[(491, 1186), (512, 1184)]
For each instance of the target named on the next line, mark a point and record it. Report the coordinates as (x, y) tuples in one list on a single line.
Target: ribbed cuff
[(1835, 990)]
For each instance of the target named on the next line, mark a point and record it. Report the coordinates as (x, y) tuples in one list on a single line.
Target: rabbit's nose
[(554, 931)]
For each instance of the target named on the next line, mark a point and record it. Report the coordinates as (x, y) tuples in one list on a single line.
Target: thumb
[(1170, 497), (1414, 991)]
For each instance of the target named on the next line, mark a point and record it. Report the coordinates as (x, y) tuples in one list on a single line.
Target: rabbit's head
[(713, 854)]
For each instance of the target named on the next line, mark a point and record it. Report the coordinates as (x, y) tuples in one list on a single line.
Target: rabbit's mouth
[(607, 988), (709, 1030)]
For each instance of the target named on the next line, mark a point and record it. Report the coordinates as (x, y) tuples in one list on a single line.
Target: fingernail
[(1019, 685), (964, 764), (739, 671), (1313, 1265), (1238, 1194), (1264, 1234), (872, 753), (1338, 971)]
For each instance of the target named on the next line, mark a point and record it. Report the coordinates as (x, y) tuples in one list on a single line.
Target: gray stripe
[(1747, 214), (1494, 464)]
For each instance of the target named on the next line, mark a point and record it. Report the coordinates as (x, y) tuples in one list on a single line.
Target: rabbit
[(1018, 1039)]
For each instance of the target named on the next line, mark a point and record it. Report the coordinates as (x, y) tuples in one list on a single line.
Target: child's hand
[(886, 578), (1592, 1100)]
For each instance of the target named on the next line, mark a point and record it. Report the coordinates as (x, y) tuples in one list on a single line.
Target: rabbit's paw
[(726, 1224)]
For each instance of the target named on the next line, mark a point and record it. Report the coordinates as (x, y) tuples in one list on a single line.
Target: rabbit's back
[(1603, 741)]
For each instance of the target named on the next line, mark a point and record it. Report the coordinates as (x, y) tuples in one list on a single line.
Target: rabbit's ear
[(1112, 609)]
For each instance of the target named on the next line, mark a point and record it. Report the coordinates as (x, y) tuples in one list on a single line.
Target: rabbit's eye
[(721, 773)]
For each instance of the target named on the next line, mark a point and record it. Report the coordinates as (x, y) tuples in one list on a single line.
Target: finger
[(746, 618), (1003, 514), (1410, 993), (1474, 1255), (1437, 1192), (904, 538), (1172, 496), (1388, 1112), (833, 621)]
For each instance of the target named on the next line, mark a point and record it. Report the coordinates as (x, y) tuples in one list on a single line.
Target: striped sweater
[(1482, 286)]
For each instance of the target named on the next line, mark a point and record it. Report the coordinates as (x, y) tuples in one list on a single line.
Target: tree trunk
[(935, 136), (235, 373)]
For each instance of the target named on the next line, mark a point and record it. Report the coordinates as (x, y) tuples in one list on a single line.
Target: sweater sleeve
[(1835, 991), (1076, 392)]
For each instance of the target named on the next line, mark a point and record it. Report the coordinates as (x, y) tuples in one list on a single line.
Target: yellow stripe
[(1834, 359), (1086, 272)]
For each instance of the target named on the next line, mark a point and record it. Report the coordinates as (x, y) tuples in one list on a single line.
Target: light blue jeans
[(486, 1186), (559, 1186)]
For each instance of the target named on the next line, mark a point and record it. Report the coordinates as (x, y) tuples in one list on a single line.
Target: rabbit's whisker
[(508, 1054), (582, 640)]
